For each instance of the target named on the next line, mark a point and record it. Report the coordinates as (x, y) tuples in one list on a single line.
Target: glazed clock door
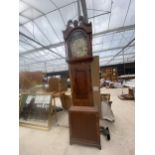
[(81, 84)]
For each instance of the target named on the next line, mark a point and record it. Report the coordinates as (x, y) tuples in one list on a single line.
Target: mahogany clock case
[(78, 40), (83, 116), (84, 126), (80, 74)]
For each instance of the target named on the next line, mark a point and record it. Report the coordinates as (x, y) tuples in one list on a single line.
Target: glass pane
[(108, 54), (103, 5), (69, 12), (23, 20), (26, 46), (119, 10), (97, 47), (61, 50), (22, 48), (60, 3), (101, 23), (45, 27), (57, 23), (97, 40), (40, 36), (130, 20), (107, 38), (106, 45), (43, 5), (31, 43), (22, 6), (26, 31), (31, 13), (115, 43)]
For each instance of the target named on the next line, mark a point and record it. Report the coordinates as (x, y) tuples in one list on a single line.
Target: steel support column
[(84, 9)]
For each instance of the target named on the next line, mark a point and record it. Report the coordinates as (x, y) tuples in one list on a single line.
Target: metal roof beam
[(99, 15), (78, 8), (117, 30), (117, 60), (33, 7), (131, 57), (27, 43), (38, 62), (98, 51), (111, 49), (42, 32), (109, 56), (104, 50), (42, 13), (121, 50), (58, 11), (44, 47)]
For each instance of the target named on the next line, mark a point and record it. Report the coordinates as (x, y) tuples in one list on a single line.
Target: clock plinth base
[(83, 142), (84, 126)]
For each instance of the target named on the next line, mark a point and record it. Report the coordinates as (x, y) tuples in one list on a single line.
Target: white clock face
[(78, 45)]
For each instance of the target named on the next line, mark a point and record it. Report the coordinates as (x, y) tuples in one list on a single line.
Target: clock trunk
[(80, 75)]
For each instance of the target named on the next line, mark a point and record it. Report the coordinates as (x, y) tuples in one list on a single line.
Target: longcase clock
[(83, 116)]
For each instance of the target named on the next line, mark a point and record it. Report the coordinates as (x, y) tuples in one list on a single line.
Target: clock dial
[(79, 48), (78, 45)]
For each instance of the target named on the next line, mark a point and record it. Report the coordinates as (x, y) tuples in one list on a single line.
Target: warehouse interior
[(70, 103)]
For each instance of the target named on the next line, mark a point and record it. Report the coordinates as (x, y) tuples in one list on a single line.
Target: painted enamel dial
[(78, 46)]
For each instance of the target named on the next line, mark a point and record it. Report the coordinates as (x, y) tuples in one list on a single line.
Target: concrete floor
[(56, 141)]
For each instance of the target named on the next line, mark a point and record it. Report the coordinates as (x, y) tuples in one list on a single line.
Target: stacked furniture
[(110, 73)]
